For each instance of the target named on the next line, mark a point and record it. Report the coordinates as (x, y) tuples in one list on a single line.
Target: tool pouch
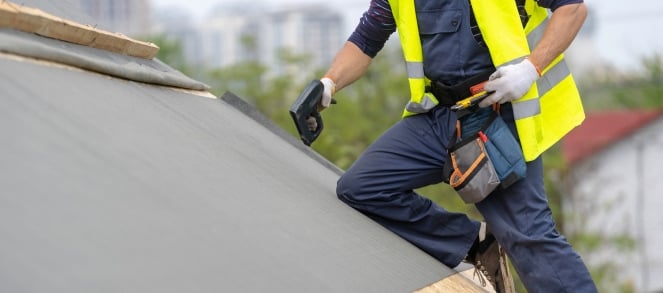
[(505, 152), (483, 156), (472, 174)]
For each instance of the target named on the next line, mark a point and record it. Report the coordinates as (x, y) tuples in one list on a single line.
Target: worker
[(449, 45)]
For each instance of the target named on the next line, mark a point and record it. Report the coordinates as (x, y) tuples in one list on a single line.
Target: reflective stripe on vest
[(547, 112), (408, 32)]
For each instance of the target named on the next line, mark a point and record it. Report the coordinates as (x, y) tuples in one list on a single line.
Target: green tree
[(625, 90), (171, 51)]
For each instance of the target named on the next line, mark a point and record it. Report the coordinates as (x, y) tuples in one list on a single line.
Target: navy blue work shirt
[(451, 53)]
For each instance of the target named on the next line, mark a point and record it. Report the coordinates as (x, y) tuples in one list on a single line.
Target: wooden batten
[(453, 283), (36, 21)]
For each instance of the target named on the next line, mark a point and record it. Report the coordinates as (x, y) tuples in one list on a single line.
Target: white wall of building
[(619, 191)]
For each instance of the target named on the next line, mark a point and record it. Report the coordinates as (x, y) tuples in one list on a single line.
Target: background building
[(614, 189), (230, 34), (130, 17), (308, 30)]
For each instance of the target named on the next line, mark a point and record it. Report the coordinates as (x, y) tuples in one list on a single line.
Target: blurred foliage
[(375, 102), (611, 89), (170, 51)]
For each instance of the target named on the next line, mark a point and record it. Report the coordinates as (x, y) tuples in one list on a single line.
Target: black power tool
[(306, 106)]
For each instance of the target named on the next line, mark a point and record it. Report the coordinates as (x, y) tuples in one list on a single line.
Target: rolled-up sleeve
[(554, 4), (374, 28)]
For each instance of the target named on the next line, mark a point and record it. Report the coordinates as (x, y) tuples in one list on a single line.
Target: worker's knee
[(346, 188), (353, 190)]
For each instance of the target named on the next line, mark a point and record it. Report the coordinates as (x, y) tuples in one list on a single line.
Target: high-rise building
[(129, 17), (227, 37), (313, 31), (232, 34)]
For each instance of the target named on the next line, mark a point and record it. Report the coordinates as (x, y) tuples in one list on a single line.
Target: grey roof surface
[(112, 185), (138, 69)]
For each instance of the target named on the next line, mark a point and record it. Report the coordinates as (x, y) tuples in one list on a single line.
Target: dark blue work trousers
[(410, 155)]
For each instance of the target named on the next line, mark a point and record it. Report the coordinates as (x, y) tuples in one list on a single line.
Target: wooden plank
[(466, 281), (36, 21), (454, 283)]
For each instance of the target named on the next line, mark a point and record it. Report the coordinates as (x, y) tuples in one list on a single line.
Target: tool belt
[(449, 95), (483, 155)]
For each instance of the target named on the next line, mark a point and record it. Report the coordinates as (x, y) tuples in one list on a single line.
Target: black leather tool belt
[(448, 95)]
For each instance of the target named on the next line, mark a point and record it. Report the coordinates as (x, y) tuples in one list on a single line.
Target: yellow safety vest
[(546, 113)]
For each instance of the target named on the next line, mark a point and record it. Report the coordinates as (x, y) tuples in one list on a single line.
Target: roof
[(601, 129), (144, 183)]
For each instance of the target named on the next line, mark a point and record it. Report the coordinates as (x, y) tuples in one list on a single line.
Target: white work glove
[(327, 93), (510, 82)]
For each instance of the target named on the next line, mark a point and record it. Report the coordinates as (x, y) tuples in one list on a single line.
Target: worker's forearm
[(348, 66), (564, 25)]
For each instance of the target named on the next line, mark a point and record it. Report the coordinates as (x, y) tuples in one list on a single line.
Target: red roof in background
[(601, 129)]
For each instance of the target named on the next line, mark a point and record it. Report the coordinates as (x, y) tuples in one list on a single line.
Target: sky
[(623, 34)]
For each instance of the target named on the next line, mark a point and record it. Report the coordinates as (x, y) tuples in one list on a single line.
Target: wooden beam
[(454, 283), (36, 21)]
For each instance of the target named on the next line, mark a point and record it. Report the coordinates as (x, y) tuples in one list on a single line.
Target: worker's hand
[(329, 90), (312, 124), (510, 82), (327, 93)]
